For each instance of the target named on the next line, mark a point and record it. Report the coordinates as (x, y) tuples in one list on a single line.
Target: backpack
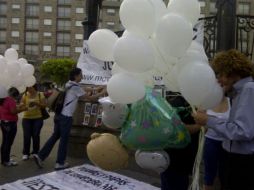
[(57, 103)]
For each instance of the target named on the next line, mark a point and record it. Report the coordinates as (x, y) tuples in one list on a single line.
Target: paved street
[(28, 168)]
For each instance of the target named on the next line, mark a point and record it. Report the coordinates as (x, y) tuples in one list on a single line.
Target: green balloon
[(153, 124)]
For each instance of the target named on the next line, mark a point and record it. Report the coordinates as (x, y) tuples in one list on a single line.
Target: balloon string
[(196, 168)]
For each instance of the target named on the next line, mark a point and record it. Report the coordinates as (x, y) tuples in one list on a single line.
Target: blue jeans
[(9, 130), (61, 131), (31, 130)]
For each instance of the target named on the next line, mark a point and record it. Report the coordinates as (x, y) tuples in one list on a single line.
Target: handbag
[(44, 113)]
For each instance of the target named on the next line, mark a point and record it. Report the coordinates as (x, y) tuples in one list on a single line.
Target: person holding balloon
[(176, 176), (234, 73), (9, 116)]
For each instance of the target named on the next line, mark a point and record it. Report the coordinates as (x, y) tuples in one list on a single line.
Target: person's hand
[(200, 117)]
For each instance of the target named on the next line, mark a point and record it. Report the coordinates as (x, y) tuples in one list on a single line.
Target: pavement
[(28, 168)]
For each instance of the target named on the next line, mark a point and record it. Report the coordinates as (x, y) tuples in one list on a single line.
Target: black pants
[(31, 130), (9, 130), (238, 171)]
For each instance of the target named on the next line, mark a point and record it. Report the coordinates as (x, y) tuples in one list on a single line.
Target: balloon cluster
[(157, 42), (15, 72)]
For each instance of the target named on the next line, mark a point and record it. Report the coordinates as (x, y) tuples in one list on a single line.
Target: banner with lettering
[(85, 177), (94, 71)]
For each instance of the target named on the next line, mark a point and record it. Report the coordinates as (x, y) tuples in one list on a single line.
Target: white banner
[(85, 177), (94, 71)]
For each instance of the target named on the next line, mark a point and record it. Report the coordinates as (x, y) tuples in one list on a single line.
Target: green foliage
[(57, 70)]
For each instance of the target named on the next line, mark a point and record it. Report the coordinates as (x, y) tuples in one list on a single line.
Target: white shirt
[(71, 98)]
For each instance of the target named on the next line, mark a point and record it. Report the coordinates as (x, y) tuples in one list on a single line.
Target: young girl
[(9, 117)]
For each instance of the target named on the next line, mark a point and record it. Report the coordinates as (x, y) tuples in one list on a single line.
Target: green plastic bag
[(152, 124)]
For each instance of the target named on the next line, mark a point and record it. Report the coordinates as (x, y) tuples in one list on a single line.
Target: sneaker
[(10, 163), (61, 166), (25, 157), (38, 161)]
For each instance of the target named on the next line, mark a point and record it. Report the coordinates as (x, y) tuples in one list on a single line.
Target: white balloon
[(27, 70), (134, 54), (30, 81), (22, 61), (160, 8), (190, 9), (18, 80), (193, 56), (21, 89), (3, 92), (125, 89), (213, 98), (13, 68), (3, 64), (138, 17), (11, 54), (5, 79), (113, 115), (146, 77), (154, 160), (173, 36), (101, 43), (195, 81)]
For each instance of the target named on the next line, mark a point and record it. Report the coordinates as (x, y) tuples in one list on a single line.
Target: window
[(15, 34), (63, 38), (110, 24), (32, 10), (2, 36), (15, 46), (47, 34), (244, 8), (32, 23), (32, 1), (32, 37), (15, 20), (15, 6), (32, 49), (48, 9), (47, 22), (63, 25), (3, 22), (78, 49), (213, 8), (3, 9), (80, 10), (111, 11), (79, 36), (78, 23), (64, 12), (46, 48), (63, 51), (64, 2)]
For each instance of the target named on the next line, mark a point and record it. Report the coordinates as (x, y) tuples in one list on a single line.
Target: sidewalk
[(28, 168)]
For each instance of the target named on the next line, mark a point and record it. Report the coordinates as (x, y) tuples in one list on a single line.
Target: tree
[(57, 70)]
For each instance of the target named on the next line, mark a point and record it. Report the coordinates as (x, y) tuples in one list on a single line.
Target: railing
[(245, 35), (210, 35)]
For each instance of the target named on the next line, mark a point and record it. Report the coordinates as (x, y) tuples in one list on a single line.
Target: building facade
[(40, 30)]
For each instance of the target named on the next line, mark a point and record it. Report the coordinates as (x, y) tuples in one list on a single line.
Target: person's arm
[(193, 128), (42, 101), (89, 96), (240, 125)]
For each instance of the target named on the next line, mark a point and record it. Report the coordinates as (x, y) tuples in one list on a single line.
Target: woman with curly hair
[(234, 73)]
